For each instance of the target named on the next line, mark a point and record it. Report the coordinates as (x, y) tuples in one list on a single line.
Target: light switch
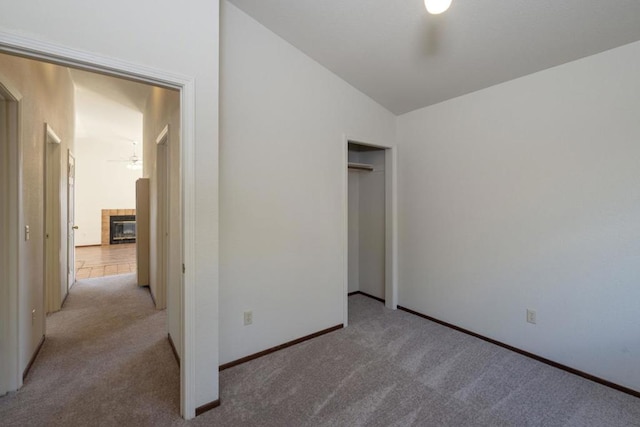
[(26, 232)]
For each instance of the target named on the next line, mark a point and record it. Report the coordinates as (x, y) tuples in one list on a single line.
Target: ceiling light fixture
[(135, 163), (436, 7)]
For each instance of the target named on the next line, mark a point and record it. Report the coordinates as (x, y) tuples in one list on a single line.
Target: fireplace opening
[(122, 229)]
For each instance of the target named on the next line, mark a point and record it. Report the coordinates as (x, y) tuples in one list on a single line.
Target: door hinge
[(183, 269)]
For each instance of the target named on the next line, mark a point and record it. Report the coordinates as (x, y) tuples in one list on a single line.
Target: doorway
[(370, 218), (162, 219), (52, 204), (11, 246), (10, 226), (71, 220)]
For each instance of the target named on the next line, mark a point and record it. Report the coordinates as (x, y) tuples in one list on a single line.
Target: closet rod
[(360, 166)]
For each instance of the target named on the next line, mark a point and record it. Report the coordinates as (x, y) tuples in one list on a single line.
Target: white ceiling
[(109, 109), (404, 58)]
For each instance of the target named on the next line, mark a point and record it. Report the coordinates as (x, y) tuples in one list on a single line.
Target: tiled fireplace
[(106, 221)]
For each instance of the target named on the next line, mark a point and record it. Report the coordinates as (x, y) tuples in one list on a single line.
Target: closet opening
[(371, 228)]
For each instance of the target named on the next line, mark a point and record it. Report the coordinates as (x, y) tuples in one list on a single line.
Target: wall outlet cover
[(248, 318), (531, 316)]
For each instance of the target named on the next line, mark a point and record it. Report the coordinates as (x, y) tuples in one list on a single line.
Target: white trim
[(391, 228), (162, 218), (52, 138), (10, 373), (391, 223), (345, 230), (8, 86), (163, 136), (71, 208), (187, 157), (37, 49), (88, 61), (51, 221)]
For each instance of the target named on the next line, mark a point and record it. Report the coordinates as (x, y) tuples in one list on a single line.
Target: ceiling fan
[(133, 162)]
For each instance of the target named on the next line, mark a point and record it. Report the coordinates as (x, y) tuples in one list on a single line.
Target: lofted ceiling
[(109, 109), (404, 58)]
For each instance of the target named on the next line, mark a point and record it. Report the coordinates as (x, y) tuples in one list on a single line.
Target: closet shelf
[(360, 166)]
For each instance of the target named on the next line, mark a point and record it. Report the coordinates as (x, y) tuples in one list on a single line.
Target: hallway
[(106, 361)]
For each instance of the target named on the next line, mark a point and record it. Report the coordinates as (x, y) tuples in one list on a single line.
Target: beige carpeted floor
[(107, 361)]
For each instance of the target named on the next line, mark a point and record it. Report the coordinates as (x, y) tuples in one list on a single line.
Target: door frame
[(45, 51), (162, 218), (11, 225), (71, 226), (391, 223), (52, 239)]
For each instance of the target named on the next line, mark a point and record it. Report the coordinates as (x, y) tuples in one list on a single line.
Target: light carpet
[(106, 360), (104, 365), (391, 368)]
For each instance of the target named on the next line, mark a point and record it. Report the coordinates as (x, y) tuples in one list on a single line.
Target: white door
[(162, 232), (71, 226)]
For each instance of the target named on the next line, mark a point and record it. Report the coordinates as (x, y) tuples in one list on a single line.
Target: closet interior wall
[(367, 221)]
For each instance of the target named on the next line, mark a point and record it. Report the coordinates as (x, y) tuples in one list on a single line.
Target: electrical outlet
[(248, 318), (33, 316), (27, 233), (531, 316)]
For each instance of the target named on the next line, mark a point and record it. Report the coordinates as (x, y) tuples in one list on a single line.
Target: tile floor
[(107, 260)]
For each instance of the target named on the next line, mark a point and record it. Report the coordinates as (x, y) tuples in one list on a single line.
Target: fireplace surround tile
[(106, 213)]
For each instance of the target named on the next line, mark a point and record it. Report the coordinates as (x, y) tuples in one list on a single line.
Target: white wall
[(283, 120), (367, 224), (183, 40), (10, 235), (47, 97), (526, 195), (372, 224), (102, 184), (163, 108), (354, 229), (105, 131)]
